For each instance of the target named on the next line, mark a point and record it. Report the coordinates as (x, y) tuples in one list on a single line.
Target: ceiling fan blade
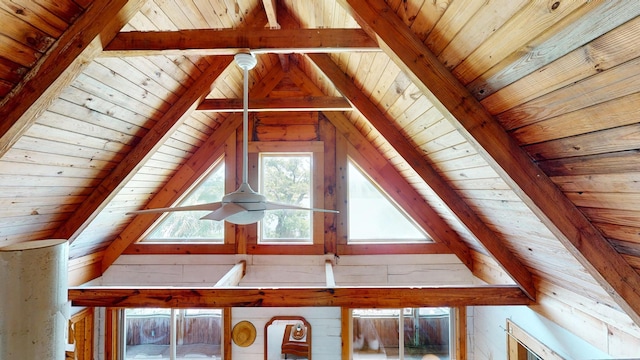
[(201, 207), (226, 210), (280, 206)]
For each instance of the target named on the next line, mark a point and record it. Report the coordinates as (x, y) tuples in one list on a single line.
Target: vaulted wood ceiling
[(509, 127)]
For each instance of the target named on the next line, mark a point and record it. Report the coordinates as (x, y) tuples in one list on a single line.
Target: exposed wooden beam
[(304, 103), (232, 41), (271, 11), (68, 56), (456, 204), (198, 164), (233, 276), (428, 219), (135, 159), (502, 152), (328, 271), (352, 297)]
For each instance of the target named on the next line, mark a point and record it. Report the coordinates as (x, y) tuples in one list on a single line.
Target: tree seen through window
[(286, 178)]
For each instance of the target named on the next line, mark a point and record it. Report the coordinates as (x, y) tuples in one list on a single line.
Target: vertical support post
[(33, 299)]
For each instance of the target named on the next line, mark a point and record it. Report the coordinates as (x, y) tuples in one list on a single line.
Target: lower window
[(159, 333), (410, 333)]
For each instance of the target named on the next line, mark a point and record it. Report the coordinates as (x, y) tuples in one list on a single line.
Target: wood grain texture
[(534, 187), (207, 42), (365, 297)]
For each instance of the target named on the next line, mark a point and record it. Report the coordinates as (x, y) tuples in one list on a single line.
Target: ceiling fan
[(243, 206)]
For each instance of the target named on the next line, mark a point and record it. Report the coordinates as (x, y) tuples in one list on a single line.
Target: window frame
[(116, 335), (373, 167), (250, 234), (261, 189), (222, 160), (520, 343), (351, 163), (457, 331)]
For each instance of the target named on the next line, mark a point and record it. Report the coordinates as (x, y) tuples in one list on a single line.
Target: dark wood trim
[(352, 297), (188, 42), (581, 238), (66, 58), (144, 248), (296, 103)]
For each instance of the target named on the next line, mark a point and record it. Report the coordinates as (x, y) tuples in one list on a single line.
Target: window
[(410, 333), (149, 334), (186, 226), (374, 217), (522, 346), (286, 178)]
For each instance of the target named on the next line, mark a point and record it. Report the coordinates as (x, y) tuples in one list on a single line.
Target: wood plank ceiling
[(514, 122)]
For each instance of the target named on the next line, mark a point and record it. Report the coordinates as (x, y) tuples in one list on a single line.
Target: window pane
[(186, 226), (373, 217), (199, 334), (147, 333), (426, 332), (286, 178), (376, 334)]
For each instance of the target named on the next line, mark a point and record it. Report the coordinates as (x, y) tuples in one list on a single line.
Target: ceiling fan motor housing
[(246, 61)]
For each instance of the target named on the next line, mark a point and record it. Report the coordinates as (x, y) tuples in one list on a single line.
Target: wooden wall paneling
[(477, 30), (618, 112), (592, 307), (613, 140), (438, 184), (430, 13), (585, 27), (81, 331), (84, 269), (142, 152), (450, 23), (45, 81), (602, 261), (525, 27), (607, 85), (200, 161), (38, 16)]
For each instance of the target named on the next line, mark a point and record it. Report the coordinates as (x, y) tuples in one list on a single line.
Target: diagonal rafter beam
[(199, 162), (437, 228), (398, 141), (502, 152), (231, 41), (136, 158), (68, 56), (233, 276)]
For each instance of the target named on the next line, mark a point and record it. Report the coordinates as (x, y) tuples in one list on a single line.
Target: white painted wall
[(490, 338), (326, 339), (284, 270)]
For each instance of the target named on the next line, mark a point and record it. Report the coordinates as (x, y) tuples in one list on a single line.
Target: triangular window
[(374, 217), (186, 226)]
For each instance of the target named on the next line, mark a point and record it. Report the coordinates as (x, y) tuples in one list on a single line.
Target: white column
[(34, 308)]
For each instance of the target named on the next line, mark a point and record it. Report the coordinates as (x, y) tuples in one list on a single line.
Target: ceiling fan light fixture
[(246, 61), (243, 206)]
